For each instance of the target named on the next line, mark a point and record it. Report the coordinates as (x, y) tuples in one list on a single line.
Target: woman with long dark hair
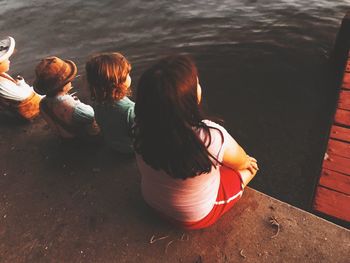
[(192, 170)]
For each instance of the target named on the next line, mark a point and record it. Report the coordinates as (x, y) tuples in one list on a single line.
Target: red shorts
[(230, 191)]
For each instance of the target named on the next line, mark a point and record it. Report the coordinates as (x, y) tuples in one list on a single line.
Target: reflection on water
[(144, 30), (262, 64)]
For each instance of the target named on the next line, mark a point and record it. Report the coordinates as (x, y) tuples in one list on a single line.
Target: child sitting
[(109, 82), (16, 96), (65, 114)]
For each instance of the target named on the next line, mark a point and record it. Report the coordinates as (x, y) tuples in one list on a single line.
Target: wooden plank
[(332, 203), (342, 117), (336, 181), (332, 196), (337, 163), (346, 81), (344, 100), (345, 87), (339, 148), (340, 133), (347, 66), (344, 94)]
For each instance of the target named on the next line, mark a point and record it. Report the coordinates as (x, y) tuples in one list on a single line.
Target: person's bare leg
[(247, 176)]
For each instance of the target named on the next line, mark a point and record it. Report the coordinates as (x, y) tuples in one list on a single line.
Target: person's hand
[(252, 164), (75, 97), (19, 79)]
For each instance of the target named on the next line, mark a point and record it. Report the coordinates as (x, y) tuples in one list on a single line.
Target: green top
[(116, 121)]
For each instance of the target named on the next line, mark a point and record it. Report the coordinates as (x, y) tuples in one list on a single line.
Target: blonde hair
[(106, 74)]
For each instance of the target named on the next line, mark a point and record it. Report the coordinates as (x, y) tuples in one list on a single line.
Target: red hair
[(106, 74)]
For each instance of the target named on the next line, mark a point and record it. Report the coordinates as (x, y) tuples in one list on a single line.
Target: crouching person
[(65, 114), (16, 96)]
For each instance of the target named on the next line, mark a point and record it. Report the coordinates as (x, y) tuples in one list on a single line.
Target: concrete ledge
[(71, 204)]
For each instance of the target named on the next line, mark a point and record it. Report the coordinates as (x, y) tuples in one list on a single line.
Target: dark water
[(263, 65)]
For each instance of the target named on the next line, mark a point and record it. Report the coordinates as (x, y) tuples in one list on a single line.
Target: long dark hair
[(168, 118)]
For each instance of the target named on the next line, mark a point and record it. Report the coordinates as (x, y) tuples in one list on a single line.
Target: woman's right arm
[(236, 158)]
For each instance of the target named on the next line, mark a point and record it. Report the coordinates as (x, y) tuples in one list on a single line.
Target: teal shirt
[(116, 121)]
